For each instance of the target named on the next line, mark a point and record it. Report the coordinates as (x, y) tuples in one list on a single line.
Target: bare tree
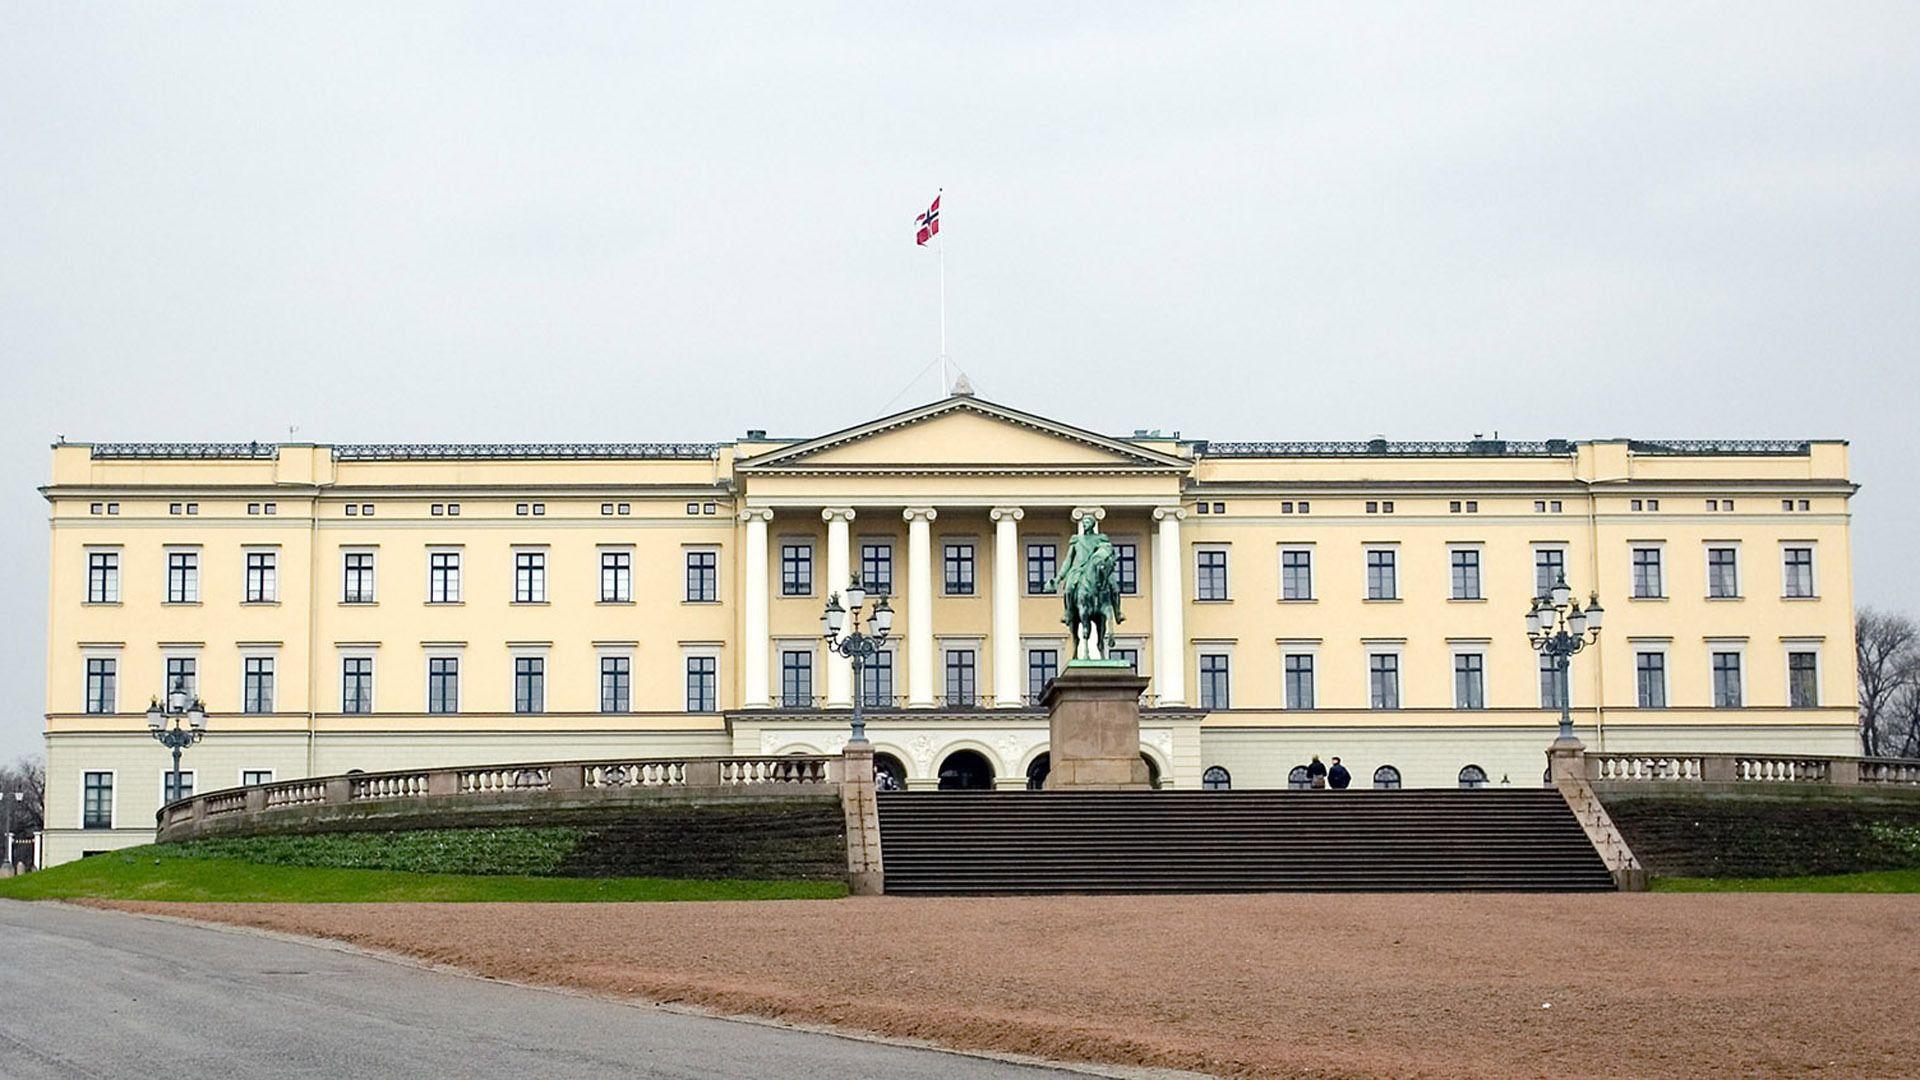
[(1888, 648), (27, 777)]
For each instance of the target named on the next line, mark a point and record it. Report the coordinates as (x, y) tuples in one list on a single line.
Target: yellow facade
[(957, 472)]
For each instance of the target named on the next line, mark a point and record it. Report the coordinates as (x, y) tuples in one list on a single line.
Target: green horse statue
[(1089, 584)]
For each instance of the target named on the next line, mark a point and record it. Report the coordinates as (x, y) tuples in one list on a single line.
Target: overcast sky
[(549, 221)]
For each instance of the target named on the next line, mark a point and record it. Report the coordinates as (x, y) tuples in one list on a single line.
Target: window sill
[(530, 603), (1801, 599), (99, 603), (1466, 599), (1382, 600), (1649, 599), (796, 596), (446, 603), (180, 603), (613, 603), (259, 603), (1299, 600), (358, 603), (700, 603), (1213, 600), (960, 595), (1724, 599)]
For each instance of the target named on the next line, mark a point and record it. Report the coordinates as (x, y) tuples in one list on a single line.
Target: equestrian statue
[(1089, 584)]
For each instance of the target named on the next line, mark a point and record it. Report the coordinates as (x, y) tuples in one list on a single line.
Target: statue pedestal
[(1093, 716)]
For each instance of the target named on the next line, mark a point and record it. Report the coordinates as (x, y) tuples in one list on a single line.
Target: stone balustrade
[(1610, 768)]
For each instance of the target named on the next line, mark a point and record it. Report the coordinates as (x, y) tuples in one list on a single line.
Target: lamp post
[(840, 626), (179, 706), (1558, 627)]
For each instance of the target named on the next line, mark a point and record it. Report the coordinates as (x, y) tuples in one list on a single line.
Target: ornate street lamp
[(840, 626), (1558, 627), (178, 707)]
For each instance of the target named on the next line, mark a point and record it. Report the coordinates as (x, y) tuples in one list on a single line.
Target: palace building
[(398, 606)]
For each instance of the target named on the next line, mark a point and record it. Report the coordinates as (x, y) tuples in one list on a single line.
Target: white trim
[(1457, 649), (373, 574), (1732, 645), (241, 775), (1663, 646), (87, 552), (1816, 646), (704, 650), (1707, 547), (1534, 548), (1211, 547), (260, 652), (1396, 649), (1366, 585), (539, 573), (719, 578), (113, 803), (344, 653), (441, 652), (459, 591), (1307, 647), (1281, 550), (1659, 546), (1214, 647), (1813, 568), (1479, 549), (246, 552)]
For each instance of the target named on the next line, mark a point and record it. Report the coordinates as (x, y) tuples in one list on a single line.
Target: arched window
[(1298, 780), (1215, 779), (1473, 776), (888, 773), (1153, 772), (1037, 772), (966, 770), (1386, 778)]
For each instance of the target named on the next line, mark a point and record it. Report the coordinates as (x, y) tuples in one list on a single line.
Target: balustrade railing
[(1750, 769), (1889, 771)]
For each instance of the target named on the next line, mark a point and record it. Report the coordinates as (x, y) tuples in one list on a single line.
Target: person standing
[(1338, 777), (1317, 772)]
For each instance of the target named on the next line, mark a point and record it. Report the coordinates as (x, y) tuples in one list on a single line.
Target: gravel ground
[(1421, 985)]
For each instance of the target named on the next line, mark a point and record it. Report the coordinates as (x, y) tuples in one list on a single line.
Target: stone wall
[(1777, 832)]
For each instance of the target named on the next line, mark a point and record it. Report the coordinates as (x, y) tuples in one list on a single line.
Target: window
[(796, 678), (1127, 567), (703, 577), (356, 685), (1473, 776), (1650, 671), (796, 569), (703, 683), (443, 684), (1803, 680), (263, 585), (357, 577), (102, 695), (876, 680), (1383, 681), (1381, 580), (1549, 568), (250, 777), (103, 577), (1553, 684), (175, 786), (183, 673), (1210, 574), (1216, 779), (1130, 657), (1042, 666), (1466, 574), (1386, 778), (1043, 562), (1726, 680), (443, 577), (529, 684), (1648, 582), (961, 684), (257, 684), (1797, 564), (96, 802), (616, 578), (183, 577), (1469, 681), (1299, 680), (958, 559), (529, 577), (1296, 575), (876, 568), (616, 684), (1298, 780), (1215, 688), (1723, 573)]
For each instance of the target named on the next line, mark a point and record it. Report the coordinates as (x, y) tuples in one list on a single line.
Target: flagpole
[(945, 383)]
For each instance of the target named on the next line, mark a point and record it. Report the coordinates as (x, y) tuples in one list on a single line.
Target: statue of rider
[(1089, 584)]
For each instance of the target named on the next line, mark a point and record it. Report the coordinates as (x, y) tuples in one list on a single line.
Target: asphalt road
[(88, 993)]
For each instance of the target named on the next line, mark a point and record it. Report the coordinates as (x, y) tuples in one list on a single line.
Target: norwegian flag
[(928, 223)]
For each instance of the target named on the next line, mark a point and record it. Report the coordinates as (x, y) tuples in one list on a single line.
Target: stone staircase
[(953, 842)]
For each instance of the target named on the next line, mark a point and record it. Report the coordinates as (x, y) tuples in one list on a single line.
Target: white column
[(920, 605), (839, 668), (1169, 610), (756, 646), (1009, 674)]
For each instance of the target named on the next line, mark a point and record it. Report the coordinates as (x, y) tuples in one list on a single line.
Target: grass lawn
[(1879, 881), (137, 874)]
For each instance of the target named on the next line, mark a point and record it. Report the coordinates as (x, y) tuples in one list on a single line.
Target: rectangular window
[(1042, 666), (1209, 574), (1650, 669), (962, 689), (1215, 684), (183, 673), (102, 673), (1797, 563), (1299, 678), (1723, 573), (876, 568), (443, 577), (257, 688), (263, 585), (796, 679), (529, 684), (1648, 581), (1803, 680), (1043, 562), (1469, 681), (356, 577), (1383, 681), (1466, 575), (959, 569), (1382, 583), (616, 578), (1726, 680), (616, 684), (443, 684), (356, 684), (703, 684), (1130, 657), (1553, 684), (530, 577), (796, 569), (183, 577), (1128, 568), (103, 577), (703, 578), (1549, 567), (96, 804), (175, 786), (250, 777), (1296, 575), (876, 680)]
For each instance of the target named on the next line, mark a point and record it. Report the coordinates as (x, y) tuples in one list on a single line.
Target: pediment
[(961, 433)]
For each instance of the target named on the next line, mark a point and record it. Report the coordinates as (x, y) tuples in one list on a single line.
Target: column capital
[(1000, 513), (1098, 513), (759, 513), (913, 513), (1161, 513), (837, 513)]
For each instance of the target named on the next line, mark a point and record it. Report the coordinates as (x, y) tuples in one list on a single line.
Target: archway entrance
[(888, 773), (966, 770), (1037, 772)]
